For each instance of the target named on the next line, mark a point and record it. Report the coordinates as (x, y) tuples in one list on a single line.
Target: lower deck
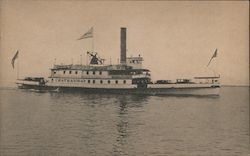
[(159, 90)]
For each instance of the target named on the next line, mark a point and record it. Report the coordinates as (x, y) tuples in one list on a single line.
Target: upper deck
[(98, 71), (95, 67)]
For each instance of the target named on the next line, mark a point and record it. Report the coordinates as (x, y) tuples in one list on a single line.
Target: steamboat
[(126, 77)]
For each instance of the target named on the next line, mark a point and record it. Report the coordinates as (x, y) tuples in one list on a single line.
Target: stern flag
[(14, 58), (214, 55), (88, 34)]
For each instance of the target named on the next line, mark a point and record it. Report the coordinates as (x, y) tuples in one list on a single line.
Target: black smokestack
[(123, 46)]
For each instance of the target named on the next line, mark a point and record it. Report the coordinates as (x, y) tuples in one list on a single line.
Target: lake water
[(65, 124)]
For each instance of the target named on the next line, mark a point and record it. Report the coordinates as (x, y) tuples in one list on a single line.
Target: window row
[(76, 72), (135, 61), (89, 81)]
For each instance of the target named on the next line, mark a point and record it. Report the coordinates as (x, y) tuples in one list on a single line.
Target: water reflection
[(126, 120), (122, 127), (106, 122)]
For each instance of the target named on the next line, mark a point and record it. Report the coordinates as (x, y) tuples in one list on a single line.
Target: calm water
[(64, 124)]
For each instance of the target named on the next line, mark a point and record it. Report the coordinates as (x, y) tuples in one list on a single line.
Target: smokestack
[(123, 46)]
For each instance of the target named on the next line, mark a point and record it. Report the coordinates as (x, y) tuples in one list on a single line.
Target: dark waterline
[(34, 123)]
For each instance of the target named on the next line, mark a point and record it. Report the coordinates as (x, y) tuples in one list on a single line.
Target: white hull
[(150, 89)]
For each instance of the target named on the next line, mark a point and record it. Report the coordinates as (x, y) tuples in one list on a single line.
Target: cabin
[(126, 74)]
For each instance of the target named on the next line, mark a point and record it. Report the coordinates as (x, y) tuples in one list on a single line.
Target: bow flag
[(14, 58), (214, 55), (88, 34)]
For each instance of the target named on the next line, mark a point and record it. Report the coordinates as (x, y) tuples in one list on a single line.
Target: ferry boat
[(127, 77)]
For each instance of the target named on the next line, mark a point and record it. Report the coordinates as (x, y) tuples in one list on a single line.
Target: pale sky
[(176, 39)]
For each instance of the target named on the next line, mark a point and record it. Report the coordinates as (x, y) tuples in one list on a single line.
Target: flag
[(88, 34), (14, 58), (214, 55)]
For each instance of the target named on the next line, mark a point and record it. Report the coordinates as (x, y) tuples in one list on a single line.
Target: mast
[(92, 39)]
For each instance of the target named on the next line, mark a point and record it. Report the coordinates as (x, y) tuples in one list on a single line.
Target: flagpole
[(86, 58), (89, 34), (214, 55), (81, 59), (93, 40), (209, 62), (18, 60)]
